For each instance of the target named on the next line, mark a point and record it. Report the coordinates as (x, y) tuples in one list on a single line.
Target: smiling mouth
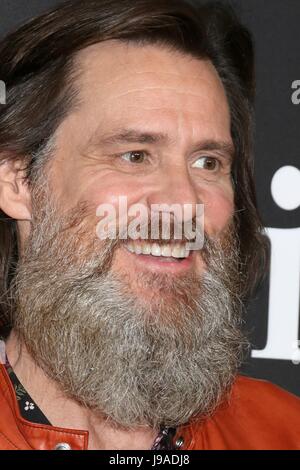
[(168, 252)]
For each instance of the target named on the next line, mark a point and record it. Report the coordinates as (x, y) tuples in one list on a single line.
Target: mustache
[(163, 230)]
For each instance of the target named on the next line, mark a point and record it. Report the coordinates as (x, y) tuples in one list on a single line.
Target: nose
[(175, 187)]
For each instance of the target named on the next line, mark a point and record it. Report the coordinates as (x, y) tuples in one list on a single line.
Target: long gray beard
[(133, 361)]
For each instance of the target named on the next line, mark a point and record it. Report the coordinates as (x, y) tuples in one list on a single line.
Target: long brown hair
[(37, 68)]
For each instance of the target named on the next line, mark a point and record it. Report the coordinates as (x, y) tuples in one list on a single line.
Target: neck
[(65, 412)]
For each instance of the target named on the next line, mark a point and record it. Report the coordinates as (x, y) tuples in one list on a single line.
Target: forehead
[(125, 83)]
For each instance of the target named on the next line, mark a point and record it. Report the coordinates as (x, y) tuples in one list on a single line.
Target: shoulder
[(257, 415), (259, 393)]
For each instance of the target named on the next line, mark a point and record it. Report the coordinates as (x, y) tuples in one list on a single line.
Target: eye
[(207, 163), (134, 157)]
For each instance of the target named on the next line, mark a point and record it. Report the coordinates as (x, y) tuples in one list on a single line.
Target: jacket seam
[(9, 441), (54, 430)]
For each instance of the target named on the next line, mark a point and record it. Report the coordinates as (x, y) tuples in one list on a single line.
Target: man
[(115, 342)]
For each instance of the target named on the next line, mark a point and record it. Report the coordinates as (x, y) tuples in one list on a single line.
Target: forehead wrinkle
[(165, 89)]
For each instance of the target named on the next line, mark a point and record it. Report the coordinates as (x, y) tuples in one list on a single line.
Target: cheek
[(109, 190), (218, 210), (97, 187)]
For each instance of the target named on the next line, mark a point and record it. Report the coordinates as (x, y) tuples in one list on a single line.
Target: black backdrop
[(272, 318)]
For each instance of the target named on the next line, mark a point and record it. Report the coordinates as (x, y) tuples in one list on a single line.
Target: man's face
[(135, 358), (176, 100)]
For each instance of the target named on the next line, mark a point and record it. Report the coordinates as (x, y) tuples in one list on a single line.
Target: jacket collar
[(26, 435), (23, 434)]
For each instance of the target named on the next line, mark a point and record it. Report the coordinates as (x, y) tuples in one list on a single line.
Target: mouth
[(173, 256)]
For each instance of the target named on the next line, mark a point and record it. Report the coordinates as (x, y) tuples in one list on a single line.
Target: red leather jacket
[(258, 415)]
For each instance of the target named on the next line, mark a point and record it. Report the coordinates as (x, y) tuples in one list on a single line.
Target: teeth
[(155, 250), (166, 250), (179, 252), (146, 249), (175, 251), (137, 249)]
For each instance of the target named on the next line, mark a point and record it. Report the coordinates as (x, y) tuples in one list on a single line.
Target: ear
[(15, 198)]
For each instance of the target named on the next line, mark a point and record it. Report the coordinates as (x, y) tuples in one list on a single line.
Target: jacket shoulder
[(258, 393), (257, 415)]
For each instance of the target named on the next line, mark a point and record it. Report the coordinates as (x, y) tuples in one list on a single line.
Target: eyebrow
[(132, 136), (125, 136), (219, 146)]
